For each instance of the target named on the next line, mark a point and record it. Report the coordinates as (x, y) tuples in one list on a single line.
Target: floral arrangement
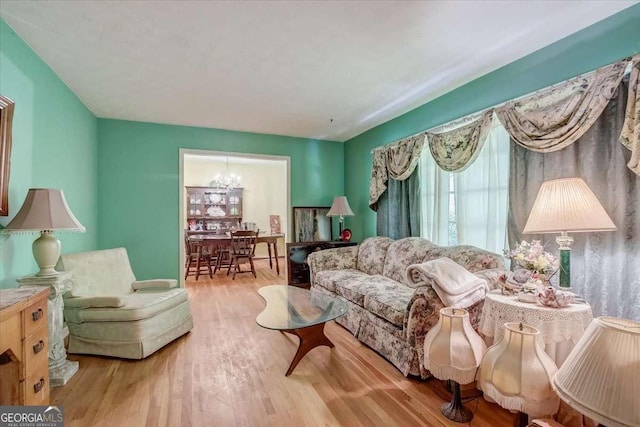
[(532, 257)]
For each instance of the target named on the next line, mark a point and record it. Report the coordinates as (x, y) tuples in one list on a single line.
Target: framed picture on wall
[(6, 118), (311, 224)]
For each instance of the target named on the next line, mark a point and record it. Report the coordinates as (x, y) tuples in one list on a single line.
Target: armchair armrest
[(105, 301), (154, 283), (332, 259)]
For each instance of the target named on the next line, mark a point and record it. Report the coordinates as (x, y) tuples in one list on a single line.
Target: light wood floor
[(228, 371)]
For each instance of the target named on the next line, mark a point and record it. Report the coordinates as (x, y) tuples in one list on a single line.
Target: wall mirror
[(6, 117), (311, 224)]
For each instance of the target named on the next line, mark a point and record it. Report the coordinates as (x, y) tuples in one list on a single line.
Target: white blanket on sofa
[(455, 286)]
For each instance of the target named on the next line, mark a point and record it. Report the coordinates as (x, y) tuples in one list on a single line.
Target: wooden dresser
[(24, 346)]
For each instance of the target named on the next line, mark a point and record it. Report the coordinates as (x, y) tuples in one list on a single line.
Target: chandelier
[(226, 179)]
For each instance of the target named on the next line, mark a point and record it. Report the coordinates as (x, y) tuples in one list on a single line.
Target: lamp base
[(454, 410), (46, 251), (521, 420)]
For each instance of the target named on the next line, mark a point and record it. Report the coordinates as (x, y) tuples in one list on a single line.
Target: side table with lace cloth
[(560, 328)]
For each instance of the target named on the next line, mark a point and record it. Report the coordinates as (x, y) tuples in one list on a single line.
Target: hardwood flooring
[(228, 371)]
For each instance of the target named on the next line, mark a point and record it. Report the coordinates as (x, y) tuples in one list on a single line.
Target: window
[(468, 207)]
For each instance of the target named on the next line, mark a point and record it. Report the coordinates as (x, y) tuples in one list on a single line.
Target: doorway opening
[(264, 180)]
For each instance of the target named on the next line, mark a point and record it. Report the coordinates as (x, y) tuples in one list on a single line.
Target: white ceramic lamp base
[(46, 251)]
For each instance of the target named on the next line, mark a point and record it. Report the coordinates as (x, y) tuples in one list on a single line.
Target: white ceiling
[(285, 67)]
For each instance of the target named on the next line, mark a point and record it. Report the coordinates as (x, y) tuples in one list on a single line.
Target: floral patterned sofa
[(384, 313)]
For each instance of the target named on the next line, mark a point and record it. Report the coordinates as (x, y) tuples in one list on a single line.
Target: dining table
[(224, 240)]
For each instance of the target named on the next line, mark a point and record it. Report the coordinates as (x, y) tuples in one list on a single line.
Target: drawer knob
[(37, 315), (38, 386), (37, 348)]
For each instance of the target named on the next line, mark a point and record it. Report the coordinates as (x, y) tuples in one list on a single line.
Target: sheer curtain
[(481, 195), (434, 200)]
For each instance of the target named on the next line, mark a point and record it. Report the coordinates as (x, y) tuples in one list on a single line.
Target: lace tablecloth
[(555, 324)]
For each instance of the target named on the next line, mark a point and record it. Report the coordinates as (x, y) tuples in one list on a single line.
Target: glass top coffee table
[(301, 313)]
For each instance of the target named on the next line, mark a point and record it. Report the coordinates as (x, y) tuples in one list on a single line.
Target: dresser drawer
[(35, 316), (36, 349), (11, 335), (36, 386)]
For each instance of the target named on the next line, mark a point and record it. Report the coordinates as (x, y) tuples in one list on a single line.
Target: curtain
[(398, 212), (481, 195), (630, 136), (605, 266), (434, 201), (455, 150), (555, 118), (397, 161)]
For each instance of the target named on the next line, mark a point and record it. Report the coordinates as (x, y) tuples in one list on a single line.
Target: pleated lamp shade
[(516, 372), (567, 205), (452, 349), (601, 376)]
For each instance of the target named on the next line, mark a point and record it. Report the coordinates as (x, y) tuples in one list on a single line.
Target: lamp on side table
[(44, 211), (566, 205)]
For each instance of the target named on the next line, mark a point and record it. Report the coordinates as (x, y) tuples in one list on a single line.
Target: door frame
[(181, 205)]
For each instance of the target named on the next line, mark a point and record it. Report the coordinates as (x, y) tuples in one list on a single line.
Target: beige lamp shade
[(340, 207), (452, 349), (44, 209), (601, 376), (567, 205), (516, 372)]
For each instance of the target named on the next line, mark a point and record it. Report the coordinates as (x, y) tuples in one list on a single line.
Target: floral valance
[(554, 119), (397, 161), (630, 136), (455, 150)]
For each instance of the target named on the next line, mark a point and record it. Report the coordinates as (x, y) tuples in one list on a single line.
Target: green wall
[(604, 42), (139, 182), (54, 145)]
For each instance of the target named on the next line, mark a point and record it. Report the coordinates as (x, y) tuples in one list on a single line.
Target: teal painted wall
[(54, 145), (602, 43), (139, 183)]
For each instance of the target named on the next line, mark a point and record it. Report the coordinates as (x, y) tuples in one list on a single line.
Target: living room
[(120, 177)]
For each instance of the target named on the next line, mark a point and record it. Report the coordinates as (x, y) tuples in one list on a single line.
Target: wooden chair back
[(243, 242)]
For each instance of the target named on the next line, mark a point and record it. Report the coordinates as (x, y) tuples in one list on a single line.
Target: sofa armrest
[(154, 283), (332, 259), (492, 276), (95, 302)]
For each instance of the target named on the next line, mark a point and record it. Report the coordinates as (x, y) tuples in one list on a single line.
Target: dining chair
[(193, 254), (243, 249)]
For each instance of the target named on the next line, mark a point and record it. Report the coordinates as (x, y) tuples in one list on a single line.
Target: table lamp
[(566, 205), (601, 376), (453, 351), (341, 208), (44, 210), (516, 373)]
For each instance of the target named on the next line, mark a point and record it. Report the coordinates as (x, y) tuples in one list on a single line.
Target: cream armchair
[(111, 313)]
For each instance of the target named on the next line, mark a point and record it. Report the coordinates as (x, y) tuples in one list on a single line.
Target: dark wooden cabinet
[(211, 209), (297, 267)]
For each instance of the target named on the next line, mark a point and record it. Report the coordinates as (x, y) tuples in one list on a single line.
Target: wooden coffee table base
[(310, 338)]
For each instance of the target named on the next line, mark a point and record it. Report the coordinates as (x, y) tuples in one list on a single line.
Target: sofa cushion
[(137, 306), (389, 302), (372, 253), (328, 278), (357, 288), (404, 252)]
